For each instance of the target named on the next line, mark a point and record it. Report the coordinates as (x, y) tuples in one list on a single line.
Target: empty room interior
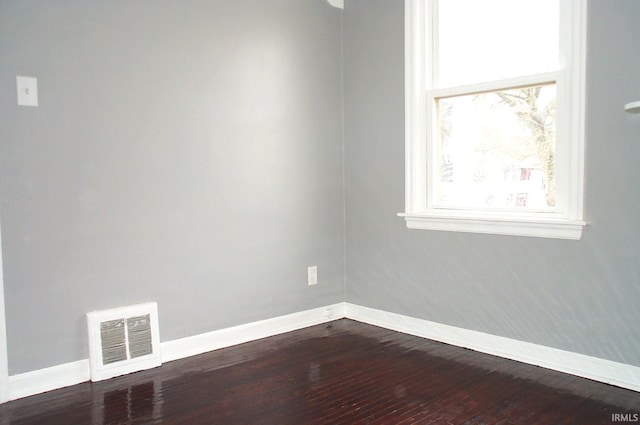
[(244, 166)]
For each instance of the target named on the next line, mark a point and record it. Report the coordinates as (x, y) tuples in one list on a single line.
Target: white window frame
[(566, 222)]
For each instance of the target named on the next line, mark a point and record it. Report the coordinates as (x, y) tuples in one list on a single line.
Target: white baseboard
[(619, 374), (64, 375), (198, 344), (609, 372), (51, 378)]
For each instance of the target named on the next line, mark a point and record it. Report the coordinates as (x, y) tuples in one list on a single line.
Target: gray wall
[(191, 153), (581, 296), (185, 152)]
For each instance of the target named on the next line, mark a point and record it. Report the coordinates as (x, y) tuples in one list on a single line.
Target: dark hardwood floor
[(342, 373)]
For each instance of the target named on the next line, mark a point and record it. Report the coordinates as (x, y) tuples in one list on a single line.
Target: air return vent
[(123, 340)]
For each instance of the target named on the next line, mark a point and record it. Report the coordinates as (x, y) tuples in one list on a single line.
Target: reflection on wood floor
[(341, 373)]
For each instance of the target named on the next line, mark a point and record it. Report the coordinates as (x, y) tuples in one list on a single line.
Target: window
[(495, 116)]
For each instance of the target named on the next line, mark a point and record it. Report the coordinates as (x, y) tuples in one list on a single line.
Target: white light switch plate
[(27, 91)]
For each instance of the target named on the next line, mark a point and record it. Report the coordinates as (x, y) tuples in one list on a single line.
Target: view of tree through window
[(495, 148)]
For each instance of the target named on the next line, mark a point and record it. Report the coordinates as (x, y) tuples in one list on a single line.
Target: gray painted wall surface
[(184, 152), (581, 296), (191, 153)]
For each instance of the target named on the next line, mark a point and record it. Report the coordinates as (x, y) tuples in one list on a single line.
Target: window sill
[(515, 225)]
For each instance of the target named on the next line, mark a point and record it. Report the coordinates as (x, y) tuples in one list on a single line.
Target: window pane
[(496, 150), (495, 39)]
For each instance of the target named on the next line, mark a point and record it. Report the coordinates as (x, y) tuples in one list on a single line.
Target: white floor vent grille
[(123, 340)]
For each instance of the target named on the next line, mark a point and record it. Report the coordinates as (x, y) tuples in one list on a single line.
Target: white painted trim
[(622, 375), (609, 372), (51, 378), (416, 75), (336, 3), (451, 220), (490, 86), (633, 107), (198, 344), (4, 363), (64, 375)]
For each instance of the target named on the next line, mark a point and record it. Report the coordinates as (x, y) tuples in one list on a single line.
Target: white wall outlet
[(312, 275), (27, 91)]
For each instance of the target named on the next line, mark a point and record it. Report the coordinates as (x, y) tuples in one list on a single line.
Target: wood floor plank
[(342, 373)]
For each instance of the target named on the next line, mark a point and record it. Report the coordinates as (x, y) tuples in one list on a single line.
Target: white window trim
[(567, 222)]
